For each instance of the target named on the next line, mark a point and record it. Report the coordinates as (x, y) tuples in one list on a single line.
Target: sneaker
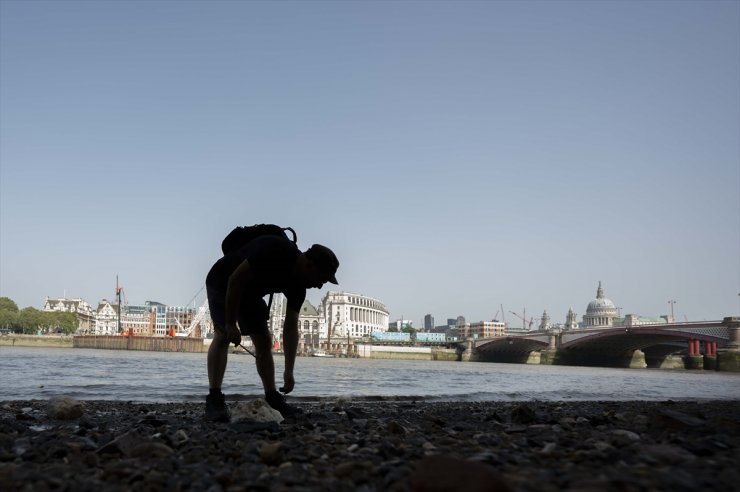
[(216, 409), (277, 401)]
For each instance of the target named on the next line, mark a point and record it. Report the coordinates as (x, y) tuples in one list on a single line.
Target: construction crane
[(181, 329), (524, 319), (198, 319), (120, 293)]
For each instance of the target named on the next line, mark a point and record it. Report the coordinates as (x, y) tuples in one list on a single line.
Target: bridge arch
[(508, 349), (615, 346)]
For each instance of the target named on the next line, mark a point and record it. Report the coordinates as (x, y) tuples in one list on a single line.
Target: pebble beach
[(345, 445)]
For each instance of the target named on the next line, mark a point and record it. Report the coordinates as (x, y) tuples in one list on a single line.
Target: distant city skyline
[(457, 156), (512, 318)]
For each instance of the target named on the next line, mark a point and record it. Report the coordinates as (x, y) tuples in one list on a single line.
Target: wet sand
[(348, 445)]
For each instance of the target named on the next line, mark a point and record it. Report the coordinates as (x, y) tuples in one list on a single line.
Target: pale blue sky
[(457, 156)]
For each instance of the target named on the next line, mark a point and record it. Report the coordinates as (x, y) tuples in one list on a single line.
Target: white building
[(106, 318), (80, 307), (339, 315), (351, 315)]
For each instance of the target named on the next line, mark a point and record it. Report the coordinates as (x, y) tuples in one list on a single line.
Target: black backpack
[(240, 236)]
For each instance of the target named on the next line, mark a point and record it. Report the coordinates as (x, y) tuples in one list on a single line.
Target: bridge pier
[(468, 354), (637, 360), (694, 360), (534, 357), (728, 359), (549, 357), (670, 361)]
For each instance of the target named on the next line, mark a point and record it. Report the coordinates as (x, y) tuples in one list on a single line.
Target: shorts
[(252, 316)]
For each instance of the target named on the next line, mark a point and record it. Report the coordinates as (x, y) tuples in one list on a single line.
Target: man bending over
[(236, 285)]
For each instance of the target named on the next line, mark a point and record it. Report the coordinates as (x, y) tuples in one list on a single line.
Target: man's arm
[(241, 276), (290, 347)]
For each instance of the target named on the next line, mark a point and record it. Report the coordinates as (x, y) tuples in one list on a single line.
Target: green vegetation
[(32, 321)]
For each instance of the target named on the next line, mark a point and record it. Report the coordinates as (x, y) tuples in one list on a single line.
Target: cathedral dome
[(602, 305), (601, 311)]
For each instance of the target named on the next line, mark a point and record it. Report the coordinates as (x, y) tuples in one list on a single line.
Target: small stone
[(179, 438), (548, 448), (443, 472), (21, 446), (355, 413), (272, 453), (567, 421), (602, 446), (626, 434), (345, 468), (675, 418), (395, 428), (523, 414), (150, 450), (123, 444), (667, 454)]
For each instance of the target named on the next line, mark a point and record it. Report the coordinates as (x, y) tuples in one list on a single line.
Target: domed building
[(600, 312)]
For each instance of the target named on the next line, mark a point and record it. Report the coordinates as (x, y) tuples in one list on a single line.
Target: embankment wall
[(36, 341), (406, 353), (156, 344)]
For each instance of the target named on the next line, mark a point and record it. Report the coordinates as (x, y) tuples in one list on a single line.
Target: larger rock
[(255, 411), (64, 408)]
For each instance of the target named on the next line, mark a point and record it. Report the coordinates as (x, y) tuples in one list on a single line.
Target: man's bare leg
[(218, 354), (266, 369), (263, 359)]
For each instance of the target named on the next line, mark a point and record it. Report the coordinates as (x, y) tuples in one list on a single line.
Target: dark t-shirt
[(272, 260)]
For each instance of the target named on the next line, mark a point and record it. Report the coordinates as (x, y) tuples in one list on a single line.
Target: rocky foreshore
[(347, 445)]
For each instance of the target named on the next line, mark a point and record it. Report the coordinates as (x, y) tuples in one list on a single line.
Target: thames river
[(88, 374)]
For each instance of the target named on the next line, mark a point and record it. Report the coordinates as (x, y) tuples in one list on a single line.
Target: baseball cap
[(325, 260)]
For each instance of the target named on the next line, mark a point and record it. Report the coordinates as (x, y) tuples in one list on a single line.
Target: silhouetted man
[(236, 285)]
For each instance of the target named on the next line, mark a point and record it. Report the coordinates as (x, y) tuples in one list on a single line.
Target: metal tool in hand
[(245, 348)]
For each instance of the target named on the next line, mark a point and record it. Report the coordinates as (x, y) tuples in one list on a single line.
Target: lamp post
[(672, 302)]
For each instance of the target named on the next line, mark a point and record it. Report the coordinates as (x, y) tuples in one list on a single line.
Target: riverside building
[(339, 315), (487, 329), (80, 307), (150, 319), (106, 319)]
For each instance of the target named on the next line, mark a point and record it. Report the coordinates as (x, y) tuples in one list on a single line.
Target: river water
[(89, 374)]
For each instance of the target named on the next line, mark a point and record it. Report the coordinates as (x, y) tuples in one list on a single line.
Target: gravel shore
[(344, 445)]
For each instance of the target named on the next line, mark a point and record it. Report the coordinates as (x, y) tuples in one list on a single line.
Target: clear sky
[(457, 156)]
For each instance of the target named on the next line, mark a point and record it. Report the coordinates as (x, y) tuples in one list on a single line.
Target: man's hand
[(289, 383), (233, 334)]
